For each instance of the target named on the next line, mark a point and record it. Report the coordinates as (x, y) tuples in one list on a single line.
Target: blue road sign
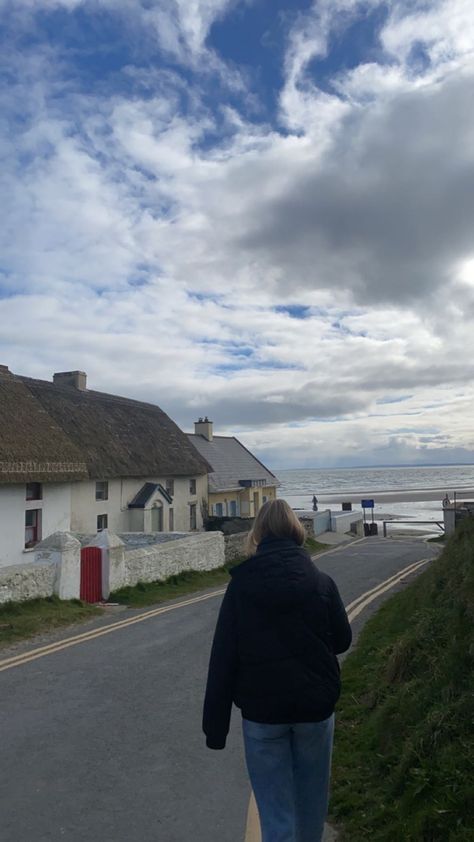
[(367, 504)]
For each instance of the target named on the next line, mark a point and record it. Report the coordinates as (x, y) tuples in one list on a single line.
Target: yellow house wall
[(244, 500)]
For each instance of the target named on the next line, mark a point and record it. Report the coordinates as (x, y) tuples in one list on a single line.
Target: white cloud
[(363, 215)]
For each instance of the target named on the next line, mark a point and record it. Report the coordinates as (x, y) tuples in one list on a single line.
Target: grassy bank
[(19, 620), (404, 753)]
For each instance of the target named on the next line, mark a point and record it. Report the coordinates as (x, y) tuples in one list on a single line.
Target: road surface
[(101, 740)]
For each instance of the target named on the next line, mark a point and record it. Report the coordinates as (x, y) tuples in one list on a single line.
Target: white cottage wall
[(55, 507), (85, 508)]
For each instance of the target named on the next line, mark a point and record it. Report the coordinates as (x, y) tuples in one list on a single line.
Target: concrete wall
[(341, 521), (55, 512), (322, 522)]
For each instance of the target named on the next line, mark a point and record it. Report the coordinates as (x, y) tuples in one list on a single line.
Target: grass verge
[(404, 751), (152, 593), (19, 620)]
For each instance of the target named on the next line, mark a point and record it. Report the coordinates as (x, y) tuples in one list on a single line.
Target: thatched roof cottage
[(76, 459)]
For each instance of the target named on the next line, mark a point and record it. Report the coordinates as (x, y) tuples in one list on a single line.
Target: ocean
[(411, 493)]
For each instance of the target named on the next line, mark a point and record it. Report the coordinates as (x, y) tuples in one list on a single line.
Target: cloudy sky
[(259, 210)]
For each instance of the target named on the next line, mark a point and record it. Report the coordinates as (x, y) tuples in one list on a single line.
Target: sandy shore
[(395, 496)]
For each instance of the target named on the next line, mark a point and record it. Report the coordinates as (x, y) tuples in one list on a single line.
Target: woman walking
[(280, 627)]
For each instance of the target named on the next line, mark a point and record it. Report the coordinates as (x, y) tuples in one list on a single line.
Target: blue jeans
[(289, 768)]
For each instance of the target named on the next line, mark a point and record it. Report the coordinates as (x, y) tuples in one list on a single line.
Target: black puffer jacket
[(280, 626)]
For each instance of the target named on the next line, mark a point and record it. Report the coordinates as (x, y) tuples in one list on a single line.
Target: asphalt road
[(102, 740)]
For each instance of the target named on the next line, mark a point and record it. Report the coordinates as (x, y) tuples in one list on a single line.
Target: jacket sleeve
[(221, 676), (341, 632)]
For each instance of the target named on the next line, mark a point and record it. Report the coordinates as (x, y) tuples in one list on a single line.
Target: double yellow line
[(252, 832), (33, 654), (353, 610)]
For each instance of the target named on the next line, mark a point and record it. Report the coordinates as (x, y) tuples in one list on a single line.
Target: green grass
[(152, 593), (404, 753), (19, 620), (314, 546)]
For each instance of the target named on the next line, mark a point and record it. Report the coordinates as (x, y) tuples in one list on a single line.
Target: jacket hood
[(279, 576)]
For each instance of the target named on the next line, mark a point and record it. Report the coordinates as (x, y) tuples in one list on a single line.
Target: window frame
[(38, 486), (192, 487), (169, 485), (101, 528), (36, 527), (105, 483)]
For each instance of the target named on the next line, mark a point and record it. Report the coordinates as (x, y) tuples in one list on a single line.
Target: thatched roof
[(33, 447), (109, 436)]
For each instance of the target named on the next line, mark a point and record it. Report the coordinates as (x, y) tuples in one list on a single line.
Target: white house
[(73, 459)]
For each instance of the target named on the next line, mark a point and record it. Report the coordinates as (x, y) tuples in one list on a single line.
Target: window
[(102, 491), (192, 516), (170, 486), (264, 499), (34, 491), (171, 520), (233, 508), (32, 527), (192, 486), (102, 521), (219, 509)]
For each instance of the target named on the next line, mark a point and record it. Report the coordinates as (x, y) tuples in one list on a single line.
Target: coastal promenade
[(101, 735)]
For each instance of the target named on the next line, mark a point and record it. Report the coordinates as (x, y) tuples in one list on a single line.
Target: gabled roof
[(146, 493), (232, 464), (101, 436)]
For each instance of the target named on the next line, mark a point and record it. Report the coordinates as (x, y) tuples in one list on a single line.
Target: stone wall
[(201, 551), (57, 565), (27, 581), (235, 547)]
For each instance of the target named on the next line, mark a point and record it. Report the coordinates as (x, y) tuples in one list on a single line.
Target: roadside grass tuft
[(404, 751), (313, 546), (19, 620)]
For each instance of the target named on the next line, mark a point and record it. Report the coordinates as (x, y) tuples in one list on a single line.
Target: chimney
[(4, 370), (78, 379), (203, 427)]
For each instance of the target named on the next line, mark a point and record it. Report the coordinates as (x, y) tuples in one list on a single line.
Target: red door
[(91, 574)]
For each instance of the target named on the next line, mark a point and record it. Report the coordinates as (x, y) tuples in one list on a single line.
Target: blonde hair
[(275, 518)]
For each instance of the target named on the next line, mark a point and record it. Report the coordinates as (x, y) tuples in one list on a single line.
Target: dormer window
[(34, 491)]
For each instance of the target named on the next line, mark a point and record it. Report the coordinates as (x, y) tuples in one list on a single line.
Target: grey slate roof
[(231, 463), (146, 493)]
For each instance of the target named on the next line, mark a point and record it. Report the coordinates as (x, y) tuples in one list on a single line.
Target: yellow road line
[(33, 654), (252, 832), (400, 573)]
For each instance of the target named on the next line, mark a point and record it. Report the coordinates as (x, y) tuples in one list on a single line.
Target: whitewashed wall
[(56, 512), (201, 551), (27, 581), (56, 568)]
